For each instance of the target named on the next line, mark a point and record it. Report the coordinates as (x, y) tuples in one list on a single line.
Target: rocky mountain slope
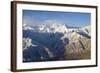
[(50, 42)]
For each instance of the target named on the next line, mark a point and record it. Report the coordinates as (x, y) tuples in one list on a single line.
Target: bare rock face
[(79, 46)]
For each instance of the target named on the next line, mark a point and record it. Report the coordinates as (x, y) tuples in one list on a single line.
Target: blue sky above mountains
[(75, 19)]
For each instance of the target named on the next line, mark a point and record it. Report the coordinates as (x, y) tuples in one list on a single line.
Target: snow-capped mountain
[(27, 27), (55, 42), (87, 29), (53, 28)]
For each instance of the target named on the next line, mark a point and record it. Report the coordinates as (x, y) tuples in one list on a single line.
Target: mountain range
[(50, 42)]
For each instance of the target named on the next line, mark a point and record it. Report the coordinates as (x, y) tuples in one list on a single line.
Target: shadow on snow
[(49, 47)]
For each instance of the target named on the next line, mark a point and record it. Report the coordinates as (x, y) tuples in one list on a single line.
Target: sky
[(73, 19)]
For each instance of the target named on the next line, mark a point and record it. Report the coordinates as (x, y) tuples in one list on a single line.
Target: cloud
[(52, 22), (31, 21), (28, 20)]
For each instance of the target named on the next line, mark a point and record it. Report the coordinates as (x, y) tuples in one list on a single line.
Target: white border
[(21, 65)]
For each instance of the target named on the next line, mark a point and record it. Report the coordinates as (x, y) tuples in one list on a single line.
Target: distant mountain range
[(50, 42)]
